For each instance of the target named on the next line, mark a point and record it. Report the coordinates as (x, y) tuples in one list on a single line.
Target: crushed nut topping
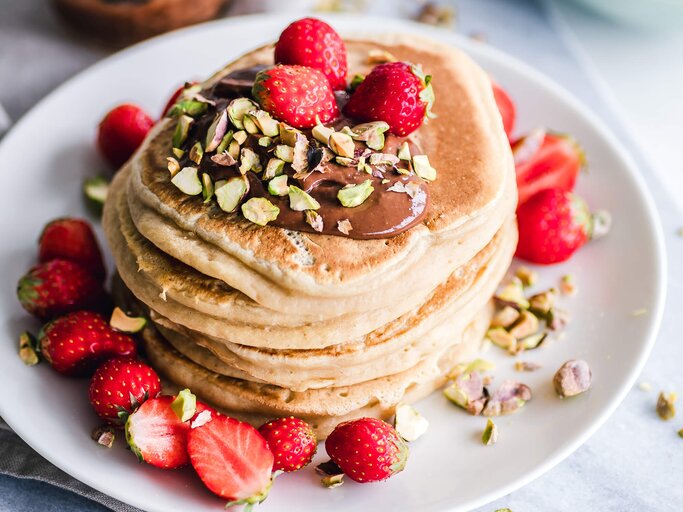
[(572, 378), (665, 405)]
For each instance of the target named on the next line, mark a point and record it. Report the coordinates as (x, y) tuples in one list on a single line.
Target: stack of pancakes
[(264, 322)]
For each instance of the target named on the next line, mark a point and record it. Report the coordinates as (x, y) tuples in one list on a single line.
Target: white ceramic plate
[(48, 153)]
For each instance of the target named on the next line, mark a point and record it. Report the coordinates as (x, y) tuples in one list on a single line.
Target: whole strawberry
[(313, 43), (77, 343), (57, 287), (367, 449), (295, 95), (121, 132), (119, 386), (553, 224), (397, 93), (292, 442), (74, 240)]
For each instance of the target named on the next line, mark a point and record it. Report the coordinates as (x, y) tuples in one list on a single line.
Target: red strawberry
[(121, 132), (545, 160), (77, 343), (506, 108), (58, 287), (553, 224), (296, 95), (313, 43), (119, 386), (292, 442), (74, 240), (397, 93), (232, 459), (367, 449)]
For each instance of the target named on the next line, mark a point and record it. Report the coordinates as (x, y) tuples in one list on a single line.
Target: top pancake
[(465, 143)]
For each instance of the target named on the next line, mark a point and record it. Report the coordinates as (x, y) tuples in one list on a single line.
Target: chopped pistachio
[(332, 481), (526, 325), (207, 187), (513, 294), (187, 181), (573, 378), (665, 405), (28, 349), (234, 149), (377, 56), (229, 193), (404, 152), (542, 303), (224, 159), (409, 423), (240, 137), (300, 156), (680, 433), (300, 200), (125, 323), (225, 141), (249, 161), (508, 398), (505, 317), (201, 419), (385, 181), (645, 386), (266, 124), (278, 186), (412, 189), (342, 144), (467, 391), (250, 124), (196, 153), (178, 153), (344, 161), (274, 167), (354, 195), (371, 133), (314, 219), (423, 168), (532, 341), (527, 276), (104, 436), (383, 159), (356, 81), (185, 405), (188, 107), (567, 285), (332, 475), (490, 434), (181, 130), (217, 130), (526, 366), (95, 189), (265, 141), (260, 211), (503, 339), (237, 109), (399, 186), (344, 226), (440, 15), (557, 319), (322, 133), (284, 153), (288, 134)]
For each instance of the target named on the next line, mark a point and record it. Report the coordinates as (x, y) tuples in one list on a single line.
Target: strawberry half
[(121, 132), (397, 93), (313, 43), (367, 449), (119, 386), (77, 343), (506, 107), (232, 459), (57, 287), (292, 442), (296, 95), (73, 240)]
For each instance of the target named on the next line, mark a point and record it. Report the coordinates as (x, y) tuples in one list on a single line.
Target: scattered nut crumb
[(680, 433), (567, 285), (573, 378), (526, 366), (639, 312), (332, 475), (103, 436), (490, 434), (645, 386), (437, 14), (377, 56), (527, 276), (665, 405)]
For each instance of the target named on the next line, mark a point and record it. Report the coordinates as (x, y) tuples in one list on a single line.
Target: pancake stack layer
[(264, 322)]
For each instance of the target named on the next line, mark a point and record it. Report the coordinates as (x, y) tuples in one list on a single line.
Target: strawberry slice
[(506, 107), (546, 160), (232, 459)]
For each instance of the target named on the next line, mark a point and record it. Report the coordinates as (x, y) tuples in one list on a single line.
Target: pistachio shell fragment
[(322, 133), (181, 130), (28, 349), (274, 167), (260, 211), (104, 436), (354, 195), (240, 137), (409, 423), (284, 153), (572, 378), (187, 181), (467, 391), (404, 152), (207, 188), (300, 200), (229, 193), (342, 144), (423, 168), (225, 141), (490, 434), (124, 323), (526, 325), (314, 219), (185, 405), (249, 161), (344, 226), (95, 189), (508, 398), (216, 131), (278, 186), (666, 409), (196, 153), (237, 109)]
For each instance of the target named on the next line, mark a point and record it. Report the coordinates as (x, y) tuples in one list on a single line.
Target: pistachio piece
[(314, 219), (345, 161), (225, 141), (185, 405), (224, 159), (532, 341), (467, 391), (288, 134), (187, 181), (196, 153), (95, 189), (332, 481), (409, 423), (322, 133), (266, 124), (383, 159), (342, 144), (508, 398), (356, 81), (399, 186), (240, 137), (201, 419), (423, 168), (573, 378), (344, 226), (177, 152), (249, 161), (181, 130), (490, 434), (542, 303), (300, 200), (216, 131), (28, 349), (404, 152), (234, 149), (229, 193), (526, 325), (385, 181), (274, 167), (250, 125), (412, 189), (172, 165), (104, 436), (260, 211), (527, 276), (371, 133), (125, 323), (666, 409), (513, 294), (557, 319), (278, 186), (354, 195), (265, 142), (332, 475), (526, 366), (188, 107), (237, 109), (284, 153), (567, 285), (300, 155), (503, 339), (505, 317), (207, 187), (377, 56)]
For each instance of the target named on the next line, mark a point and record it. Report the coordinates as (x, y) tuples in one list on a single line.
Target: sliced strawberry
[(555, 163), (74, 240), (232, 459), (506, 107)]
